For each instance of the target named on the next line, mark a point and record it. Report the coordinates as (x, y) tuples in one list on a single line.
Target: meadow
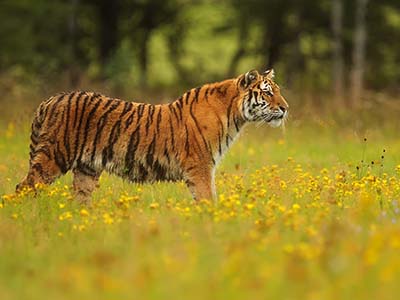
[(309, 213)]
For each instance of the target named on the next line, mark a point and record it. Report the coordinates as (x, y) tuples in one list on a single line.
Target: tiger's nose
[(283, 109)]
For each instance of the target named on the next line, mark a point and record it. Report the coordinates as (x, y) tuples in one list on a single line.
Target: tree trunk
[(176, 51), (358, 53), (274, 49), (108, 21), (337, 30), (72, 29), (143, 55), (241, 50)]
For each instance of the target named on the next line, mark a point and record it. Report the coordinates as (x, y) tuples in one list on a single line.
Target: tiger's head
[(262, 100)]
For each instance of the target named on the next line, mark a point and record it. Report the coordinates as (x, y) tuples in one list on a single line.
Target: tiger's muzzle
[(276, 117)]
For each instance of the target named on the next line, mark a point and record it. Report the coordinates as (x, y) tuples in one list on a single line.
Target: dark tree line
[(352, 43)]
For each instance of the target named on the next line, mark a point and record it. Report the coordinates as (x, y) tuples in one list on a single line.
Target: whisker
[(283, 126), (260, 123)]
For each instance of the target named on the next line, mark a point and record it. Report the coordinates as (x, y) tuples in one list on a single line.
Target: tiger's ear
[(247, 79), (270, 74)]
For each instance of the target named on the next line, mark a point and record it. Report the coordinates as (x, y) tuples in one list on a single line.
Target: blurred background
[(333, 55)]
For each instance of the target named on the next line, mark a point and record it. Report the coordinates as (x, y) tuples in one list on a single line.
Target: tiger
[(184, 140)]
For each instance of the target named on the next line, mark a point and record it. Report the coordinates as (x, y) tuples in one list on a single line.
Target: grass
[(295, 219)]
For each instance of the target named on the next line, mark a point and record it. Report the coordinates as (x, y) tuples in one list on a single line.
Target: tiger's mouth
[(276, 122), (275, 119)]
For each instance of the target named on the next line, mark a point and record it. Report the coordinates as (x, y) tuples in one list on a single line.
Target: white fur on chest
[(219, 155)]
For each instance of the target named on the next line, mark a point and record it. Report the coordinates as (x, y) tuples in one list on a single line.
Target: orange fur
[(183, 140)]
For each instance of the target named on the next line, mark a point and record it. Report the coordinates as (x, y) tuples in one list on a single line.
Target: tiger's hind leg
[(42, 171), (84, 184)]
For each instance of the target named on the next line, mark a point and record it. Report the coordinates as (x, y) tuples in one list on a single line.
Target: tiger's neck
[(214, 112)]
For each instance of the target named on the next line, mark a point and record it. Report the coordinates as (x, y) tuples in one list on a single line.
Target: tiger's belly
[(142, 172)]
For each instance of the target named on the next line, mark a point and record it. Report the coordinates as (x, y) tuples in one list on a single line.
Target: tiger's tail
[(36, 129)]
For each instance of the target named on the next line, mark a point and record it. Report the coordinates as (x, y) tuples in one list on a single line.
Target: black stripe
[(86, 170), (100, 126), (196, 145), (172, 108), (150, 152), (244, 108), (142, 173), (108, 103), (34, 138), (189, 183), (179, 107), (190, 169), (228, 115), (127, 107), (95, 96), (38, 168), (159, 117), (166, 151), (222, 90), (255, 96), (77, 101), (129, 120), (66, 134), (206, 93), (159, 170), (77, 132), (219, 144), (151, 111), (140, 111), (42, 109), (212, 156), (228, 137), (53, 116), (187, 95), (31, 152), (149, 118), (198, 128), (45, 150), (172, 134), (34, 134), (86, 132), (60, 159), (132, 147), (108, 152), (235, 121), (196, 94), (221, 125), (187, 141)]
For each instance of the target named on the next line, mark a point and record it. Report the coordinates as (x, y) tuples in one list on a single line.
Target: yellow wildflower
[(154, 205), (65, 216), (295, 207), (107, 219), (84, 213), (249, 206)]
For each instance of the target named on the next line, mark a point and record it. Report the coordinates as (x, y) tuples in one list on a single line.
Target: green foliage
[(185, 43)]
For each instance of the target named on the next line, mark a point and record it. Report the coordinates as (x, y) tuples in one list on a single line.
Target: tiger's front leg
[(200, 181)]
